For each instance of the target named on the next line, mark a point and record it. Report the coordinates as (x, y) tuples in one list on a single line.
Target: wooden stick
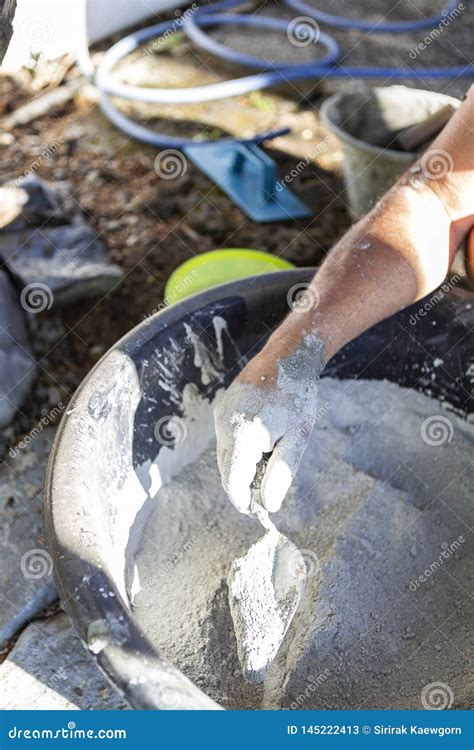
[(42, 105)]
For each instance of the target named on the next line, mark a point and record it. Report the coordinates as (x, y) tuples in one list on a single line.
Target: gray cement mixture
[(380, 510)]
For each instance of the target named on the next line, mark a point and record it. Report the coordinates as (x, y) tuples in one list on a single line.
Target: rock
[(63, 263), (32, 201), (17, 367), (6, 139), (42, 105), (54, 671), (26, 584), (48, 247), (113, 225)]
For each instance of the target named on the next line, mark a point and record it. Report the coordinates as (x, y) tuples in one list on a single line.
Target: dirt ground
[(150, 226)]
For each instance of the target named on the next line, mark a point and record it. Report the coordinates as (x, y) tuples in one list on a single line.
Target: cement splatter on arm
[(392, 257)]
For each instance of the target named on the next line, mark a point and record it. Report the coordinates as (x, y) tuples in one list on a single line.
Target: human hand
[(269, 408)]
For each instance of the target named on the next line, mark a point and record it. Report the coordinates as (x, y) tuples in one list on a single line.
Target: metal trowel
[(265, 587)]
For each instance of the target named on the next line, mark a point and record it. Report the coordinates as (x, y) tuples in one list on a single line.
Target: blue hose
[(107, 87), (191, 27), (285, 71), (192, 24)]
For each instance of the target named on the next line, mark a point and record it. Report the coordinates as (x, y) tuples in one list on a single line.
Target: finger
[(240, 462), (281, 470), (222, 447), (221, 460), (224, 439), (226, 435)]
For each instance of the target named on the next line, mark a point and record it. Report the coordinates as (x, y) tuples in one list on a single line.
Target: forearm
[(400, 251), (395, 255)]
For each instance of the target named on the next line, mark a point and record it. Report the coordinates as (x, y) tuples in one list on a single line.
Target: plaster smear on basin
[(378, 498), (177, 440)]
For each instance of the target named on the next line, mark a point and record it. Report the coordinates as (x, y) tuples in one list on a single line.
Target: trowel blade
[(265, 587)]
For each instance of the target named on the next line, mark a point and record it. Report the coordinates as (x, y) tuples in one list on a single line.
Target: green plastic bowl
[(217, 267)]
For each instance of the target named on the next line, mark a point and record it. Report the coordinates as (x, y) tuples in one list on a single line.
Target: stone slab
[(26, 583), (50, 669), (17, 367)]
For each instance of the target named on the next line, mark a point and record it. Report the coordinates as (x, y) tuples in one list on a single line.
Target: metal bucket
[(95, 491), (366, 122)]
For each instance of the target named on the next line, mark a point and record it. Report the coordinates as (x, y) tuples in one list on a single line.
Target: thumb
[(281, 470), (239, 463)]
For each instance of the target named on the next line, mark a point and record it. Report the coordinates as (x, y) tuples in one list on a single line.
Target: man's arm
[(403, 248), (392, 257)]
